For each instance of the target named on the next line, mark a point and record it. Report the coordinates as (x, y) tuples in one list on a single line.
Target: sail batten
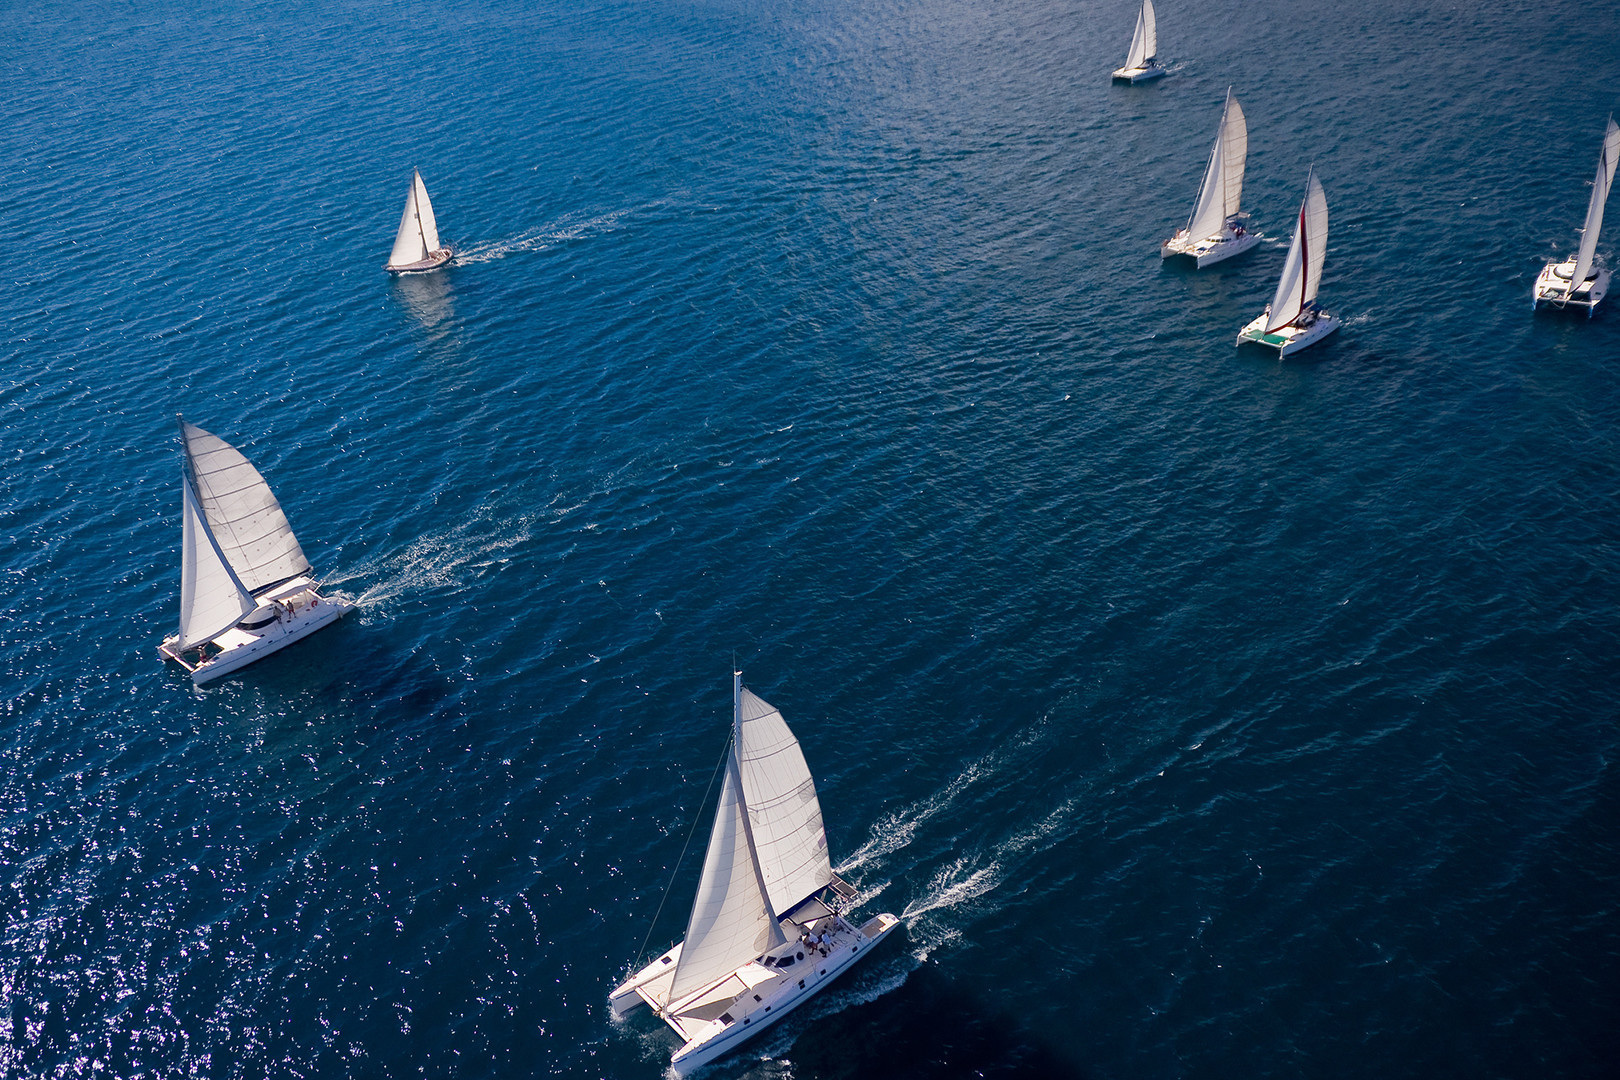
[(243, 515), (1601, 184)]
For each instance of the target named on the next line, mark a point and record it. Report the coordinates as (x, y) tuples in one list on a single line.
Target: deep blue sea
[(1202, 715)]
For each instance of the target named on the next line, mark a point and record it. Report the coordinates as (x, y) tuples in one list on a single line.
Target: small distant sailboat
[(245, 589), (1577, 281), (1141, 63), (1293, 320), (1215, 230), (767, 930), (416, 248)]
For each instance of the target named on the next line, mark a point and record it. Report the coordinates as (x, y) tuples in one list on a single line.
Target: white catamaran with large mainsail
[(767, 929), (1293, 320), (1579, 281), (416, 246), (1215, 230), (1141, 63), (245, 589)]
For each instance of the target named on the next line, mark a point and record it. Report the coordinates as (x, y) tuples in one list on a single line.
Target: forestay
[(418, 235), (249, 530), (1221, 195), (782, 806), (212, 599), (1594, 209), (732, 921), (1303, 270), (1145, 42)]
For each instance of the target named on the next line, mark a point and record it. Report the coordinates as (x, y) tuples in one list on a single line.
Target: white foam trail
[(558, 232), (446, 559), (897, 829)]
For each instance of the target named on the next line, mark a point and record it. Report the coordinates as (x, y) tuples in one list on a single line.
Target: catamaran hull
[(1289, 339), (243, 647), (694, 1055), (1553, 289), (432, 262), (1208, 251), (1139, 74)]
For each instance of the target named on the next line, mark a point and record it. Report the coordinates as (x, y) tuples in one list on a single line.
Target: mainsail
[(418, 235), (782, 805), (767, 850), (244, 520), (212, 598), (1303, 270), (1145, 42), (1222, 193), (1594, 209)]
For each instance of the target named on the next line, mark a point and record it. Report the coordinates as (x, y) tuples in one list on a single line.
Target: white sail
[(1594, 209), (782, 805), (212, 600), (732, 921), (1145, 42), (411, 243), (243, 516), (424, 207), (1222, 193), (1303, 270)]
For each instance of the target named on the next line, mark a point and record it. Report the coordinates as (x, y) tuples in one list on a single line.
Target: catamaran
[(1215, 230), (245, 589), (416, 247), (1578, 281), (1293, 320), (1141, 62), (768, 928)]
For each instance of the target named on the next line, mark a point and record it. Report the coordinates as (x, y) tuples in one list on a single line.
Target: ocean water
[(1201, 715)]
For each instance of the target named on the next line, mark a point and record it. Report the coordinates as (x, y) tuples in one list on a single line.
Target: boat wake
[(558, 232), (446, 560)]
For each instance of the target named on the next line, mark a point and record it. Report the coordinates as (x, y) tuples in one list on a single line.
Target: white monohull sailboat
[(1141, 62), (1578, 281), (1293, 320), (1215, 230), (245, 589), (416, 247), (767, 929)]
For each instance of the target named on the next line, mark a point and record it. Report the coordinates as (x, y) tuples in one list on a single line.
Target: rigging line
[(696, 820)]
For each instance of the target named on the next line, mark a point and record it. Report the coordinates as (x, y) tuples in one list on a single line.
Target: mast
[(732, 920), (1607, 158), (1301, 272), (1222, 189), (1144, 42)]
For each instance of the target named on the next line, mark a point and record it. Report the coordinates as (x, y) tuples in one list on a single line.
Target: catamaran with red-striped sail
[(1293, 319)]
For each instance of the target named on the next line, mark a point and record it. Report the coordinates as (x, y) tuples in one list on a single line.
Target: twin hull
[(765, 995), (1208, 251), (1553, 288), (240, 647), (1289, 339)]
